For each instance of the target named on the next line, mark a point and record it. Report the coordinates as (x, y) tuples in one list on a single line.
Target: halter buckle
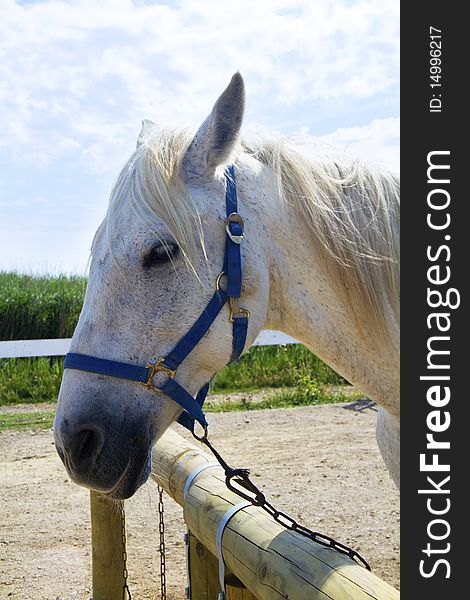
[(155, 368), (236, 310), (235, 218)]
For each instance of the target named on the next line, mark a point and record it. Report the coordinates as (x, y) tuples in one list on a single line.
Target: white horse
[(320, 262)]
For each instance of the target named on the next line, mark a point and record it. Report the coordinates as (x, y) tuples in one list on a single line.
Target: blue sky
[(77, 78)]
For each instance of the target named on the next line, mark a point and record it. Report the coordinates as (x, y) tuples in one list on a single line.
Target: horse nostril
[(82, 448)]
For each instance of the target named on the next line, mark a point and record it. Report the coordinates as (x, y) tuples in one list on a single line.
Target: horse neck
[(303, 304)]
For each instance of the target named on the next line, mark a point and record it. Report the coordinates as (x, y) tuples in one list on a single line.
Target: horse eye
[(161, 253)]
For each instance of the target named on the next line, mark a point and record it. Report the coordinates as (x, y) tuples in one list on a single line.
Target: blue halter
[(232, 271)]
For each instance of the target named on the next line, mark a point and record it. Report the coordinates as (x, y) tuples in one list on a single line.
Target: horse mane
[(352, 209)]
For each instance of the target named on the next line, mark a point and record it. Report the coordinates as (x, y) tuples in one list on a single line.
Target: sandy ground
[(321, 464)]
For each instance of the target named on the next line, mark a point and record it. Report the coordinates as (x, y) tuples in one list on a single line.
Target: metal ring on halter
[(217, 281), (235, 218)]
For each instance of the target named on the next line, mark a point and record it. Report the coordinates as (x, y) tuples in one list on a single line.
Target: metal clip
[(201, 438), (235, 218), (236, 310), (242, 478)]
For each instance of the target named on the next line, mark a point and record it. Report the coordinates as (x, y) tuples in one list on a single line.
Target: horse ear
[(147, 127), (217, 136)]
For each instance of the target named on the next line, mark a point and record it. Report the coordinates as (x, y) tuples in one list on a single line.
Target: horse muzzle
[(111, 458)]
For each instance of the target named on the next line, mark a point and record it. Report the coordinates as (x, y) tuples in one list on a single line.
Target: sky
[(78, 77)]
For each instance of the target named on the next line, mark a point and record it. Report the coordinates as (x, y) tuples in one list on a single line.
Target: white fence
[(60, 347)]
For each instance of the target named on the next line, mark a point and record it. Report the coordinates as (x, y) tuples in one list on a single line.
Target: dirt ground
[(319, 463)]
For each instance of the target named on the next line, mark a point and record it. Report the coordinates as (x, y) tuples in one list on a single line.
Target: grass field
[(48, 307), (34, 307), (19, 421), (310, 394), (34, 380)]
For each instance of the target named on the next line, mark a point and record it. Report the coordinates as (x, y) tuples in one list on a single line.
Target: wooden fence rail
[(271, 562)]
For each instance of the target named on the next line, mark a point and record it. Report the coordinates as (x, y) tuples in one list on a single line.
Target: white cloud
[(377, 142), (78, 76), (41, 239)]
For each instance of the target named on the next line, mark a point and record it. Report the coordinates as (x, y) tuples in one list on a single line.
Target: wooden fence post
[(204, 574), (107, 548)]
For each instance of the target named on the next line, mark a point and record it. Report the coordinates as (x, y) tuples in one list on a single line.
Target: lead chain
[(254, 495), (126, 593), (161, 530)]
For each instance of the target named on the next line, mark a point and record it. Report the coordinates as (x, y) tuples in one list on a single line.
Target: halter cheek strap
[(239, 316)]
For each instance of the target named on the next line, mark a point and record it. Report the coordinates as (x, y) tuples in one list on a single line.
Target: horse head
[(155, 259)]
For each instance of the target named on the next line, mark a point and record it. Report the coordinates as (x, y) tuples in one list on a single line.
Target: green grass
[(311, 394), (19, 421), (286, 399), (39, 307), (274, 366), (48, 307), (29, 380), (35, 380)]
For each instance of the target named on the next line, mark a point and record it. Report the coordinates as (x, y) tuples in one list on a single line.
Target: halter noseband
[(232, 271)]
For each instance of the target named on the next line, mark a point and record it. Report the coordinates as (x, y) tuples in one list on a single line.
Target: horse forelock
[(151, 183)]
